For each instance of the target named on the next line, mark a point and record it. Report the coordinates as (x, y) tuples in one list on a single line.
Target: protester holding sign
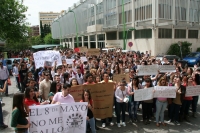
[(18, 120), (177, 102), (64, 96), (161, 105), (121, 94), (133, 105), (86, 97), (147, 104)]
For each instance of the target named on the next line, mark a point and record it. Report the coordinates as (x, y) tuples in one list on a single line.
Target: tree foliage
[(12, 20), (49, 40), (174, 49)]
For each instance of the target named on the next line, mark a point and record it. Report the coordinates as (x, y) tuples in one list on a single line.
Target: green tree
[(49, 40), (174, 49), (38, 40), (12, 20)]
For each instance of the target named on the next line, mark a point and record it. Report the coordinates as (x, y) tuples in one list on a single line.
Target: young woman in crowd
[(55, 87), (177, 102), (74, 82), (97, 79), (133, 105), (86, 97), (121, 93), (147, 104), (31, 99), (161, 105), (196, 81), (66, 77), (18, 120)]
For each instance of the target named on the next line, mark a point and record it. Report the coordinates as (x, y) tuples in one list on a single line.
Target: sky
[(36, 6)]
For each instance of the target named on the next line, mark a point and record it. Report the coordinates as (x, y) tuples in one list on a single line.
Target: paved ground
[(193, 126)]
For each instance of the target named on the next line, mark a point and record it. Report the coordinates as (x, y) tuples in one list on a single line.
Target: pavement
[(139, 127)]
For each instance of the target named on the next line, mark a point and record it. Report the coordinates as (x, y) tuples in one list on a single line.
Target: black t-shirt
[(22, 74)]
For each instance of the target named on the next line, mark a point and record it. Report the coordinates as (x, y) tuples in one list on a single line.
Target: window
[(165, 11), (111, 35), (128, 17), (165, 33), (92, 38), (129, 35), (101, 37), (99, 8), (125, 1), (110, 4), (146, 33), (143, 13), (179, 33), (193, 33)]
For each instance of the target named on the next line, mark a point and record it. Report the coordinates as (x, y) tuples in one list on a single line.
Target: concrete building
[(158, 24), (47, 17), (35, 30)]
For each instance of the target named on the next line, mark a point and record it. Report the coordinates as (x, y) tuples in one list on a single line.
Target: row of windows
[(179, 33)]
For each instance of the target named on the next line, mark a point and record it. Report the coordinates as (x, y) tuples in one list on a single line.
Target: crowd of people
[(51, 85)]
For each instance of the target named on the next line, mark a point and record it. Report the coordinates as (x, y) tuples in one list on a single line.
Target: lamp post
[(131, 29), (180, 45), (77, 41), (60, 30), (124, 25)]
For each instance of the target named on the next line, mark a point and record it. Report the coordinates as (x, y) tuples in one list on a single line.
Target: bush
[(198, 49), (174, 49)]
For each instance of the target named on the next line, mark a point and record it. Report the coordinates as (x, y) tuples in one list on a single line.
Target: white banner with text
[(165, 91), (63, 118), (192, 91), (143, 94)]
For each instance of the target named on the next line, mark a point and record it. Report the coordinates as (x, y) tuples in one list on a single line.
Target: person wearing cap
[(4, 75)]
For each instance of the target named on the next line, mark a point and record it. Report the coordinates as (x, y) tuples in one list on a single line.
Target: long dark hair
[(149, 80), (83, 98), (27, 95), (137, 81), (65, 76), (53, 87), (72, 80), (18, 102)]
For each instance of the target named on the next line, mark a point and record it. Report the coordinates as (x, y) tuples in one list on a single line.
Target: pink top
[(162, 99), (58, 97)]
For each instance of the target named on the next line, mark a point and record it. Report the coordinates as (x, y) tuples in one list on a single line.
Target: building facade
[(158, 24), (34, 30)]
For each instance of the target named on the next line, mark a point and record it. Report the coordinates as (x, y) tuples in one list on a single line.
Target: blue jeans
[(160, 109), (2, 85), (120, 108), (174, 112), (194, 103), (133, 106), (92, 124), (1, 116)]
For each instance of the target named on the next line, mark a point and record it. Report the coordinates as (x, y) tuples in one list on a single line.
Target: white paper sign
[(41, 56), (165, 91), (147, 70), (167, 68), (69, 61), (192, 90), (64, 118), (83, 59), (143, 94)]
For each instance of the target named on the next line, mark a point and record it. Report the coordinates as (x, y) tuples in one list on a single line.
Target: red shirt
[(30, 102), (87, 83)]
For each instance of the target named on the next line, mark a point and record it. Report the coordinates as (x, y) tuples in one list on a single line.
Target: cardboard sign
[(102, 95), (94, 52), (83, 49), (166, 68), (147, 70), (118, 77), (143, 94), (192, 91), (54, 118), (165, 91)]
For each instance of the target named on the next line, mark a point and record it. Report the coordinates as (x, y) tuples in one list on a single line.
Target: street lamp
[(180, 45), (124, 25), (131, 29), (77, 41), (60, 30)]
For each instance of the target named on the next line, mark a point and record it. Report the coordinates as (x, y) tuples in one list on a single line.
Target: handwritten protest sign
[(166, 68), (192, 91), (147, 70), (41, 56), (102, 95), (118, 77), (83, 59), (165, 91), (83, 49), (64, 118), (93, 51), (69, 61), (143, 94)]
